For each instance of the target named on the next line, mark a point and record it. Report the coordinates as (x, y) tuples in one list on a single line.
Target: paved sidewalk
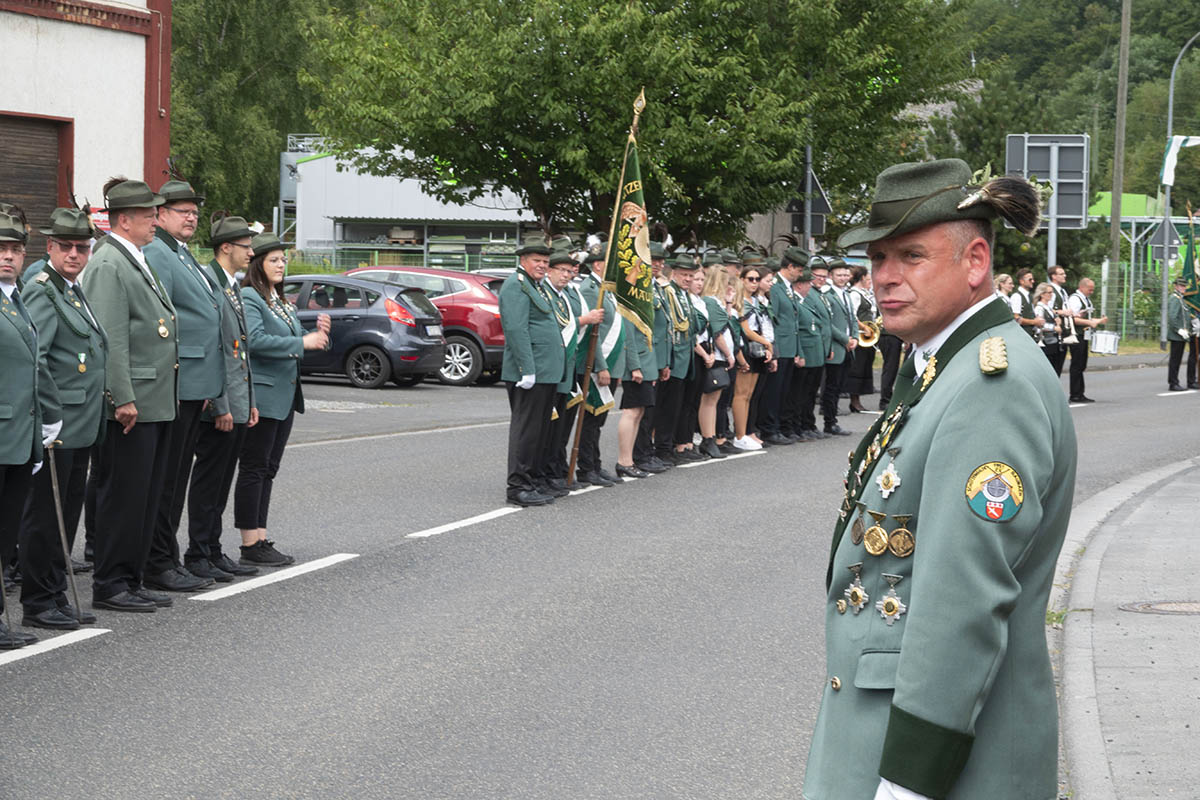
[(1130, 680)]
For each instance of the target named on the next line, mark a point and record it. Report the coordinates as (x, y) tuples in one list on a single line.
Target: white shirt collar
[(182, 244), (132, 248), (8, 289), (924, 350), (230, 279)]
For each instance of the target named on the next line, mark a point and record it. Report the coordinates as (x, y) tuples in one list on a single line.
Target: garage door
[(29, 173)]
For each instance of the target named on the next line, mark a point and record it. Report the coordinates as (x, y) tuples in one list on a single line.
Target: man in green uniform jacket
[(643, 446), (818, 306), (1179, 330), (939, 682), (534, 364), (842, 327), (785, 310), (73, 348), (812, 366), (668, 406), (607, 368), (141, 382)]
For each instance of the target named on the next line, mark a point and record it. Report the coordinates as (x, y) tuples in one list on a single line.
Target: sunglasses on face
[(79, 247), (751, 279)]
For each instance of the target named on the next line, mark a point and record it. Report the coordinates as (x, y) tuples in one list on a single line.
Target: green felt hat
[(751, 258), (596, 252), (263, 243), (12, 229), (838, 261), (657, 250), (915, 194), (68, 223), (794, 255), (179, 191), (1181, 281), (730, 257), (534, 243), (561, 256), (710, 258), (131, 194), (684, 261), (773, 263), (805, 276), (226, 229), (818, 262)]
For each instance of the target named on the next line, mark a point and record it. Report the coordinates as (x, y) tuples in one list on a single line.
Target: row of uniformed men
[(137, 360)]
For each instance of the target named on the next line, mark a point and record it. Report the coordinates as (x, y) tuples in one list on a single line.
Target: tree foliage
[(536, 97)]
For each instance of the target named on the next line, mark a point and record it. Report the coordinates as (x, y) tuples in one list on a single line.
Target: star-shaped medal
[(888, 480)]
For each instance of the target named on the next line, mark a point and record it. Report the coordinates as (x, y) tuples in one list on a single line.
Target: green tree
[(535, 97)]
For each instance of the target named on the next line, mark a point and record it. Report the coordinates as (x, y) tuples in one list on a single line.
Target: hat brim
[(193, 198), (83, 237), (4, 237), (245, 233), (537, 249), (156, 201)]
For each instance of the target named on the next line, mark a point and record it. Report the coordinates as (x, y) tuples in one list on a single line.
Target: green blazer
[(139, 320), (73, 347), (662, 329), (955, 699), (808, 337), (276, 348), (198, 310), (574, 304), (818, 305), (638, 354), (532, 342), (841, 324), (683, 342), (20, 414), (785, 306), (589, 286), (237, 394), (1177, 317), (33, 270)]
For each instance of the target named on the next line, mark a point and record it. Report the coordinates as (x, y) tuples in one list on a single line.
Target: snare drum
[(1104, 343)]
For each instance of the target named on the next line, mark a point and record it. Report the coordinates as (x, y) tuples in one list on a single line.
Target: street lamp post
[(1167, 193)]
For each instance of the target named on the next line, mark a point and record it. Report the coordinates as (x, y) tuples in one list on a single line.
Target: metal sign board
[(1156, 242), (820, 201), (1061, 160), (818, 224)]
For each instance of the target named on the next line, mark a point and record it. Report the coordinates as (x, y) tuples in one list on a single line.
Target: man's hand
[(603, 378), (323, 323), (223, 422), (637, 376), (664, 374), (253, 418), (526, 381), (50, 433), (853, 343), (799, 361), (126, 415), (593, 317), (1101, 321)]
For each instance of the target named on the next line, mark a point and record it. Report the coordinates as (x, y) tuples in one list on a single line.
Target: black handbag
[(716, 378)]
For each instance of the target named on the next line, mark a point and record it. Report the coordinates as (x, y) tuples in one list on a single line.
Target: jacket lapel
[(14, 312)]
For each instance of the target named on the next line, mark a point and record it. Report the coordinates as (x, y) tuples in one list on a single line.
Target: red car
[(470, 317)]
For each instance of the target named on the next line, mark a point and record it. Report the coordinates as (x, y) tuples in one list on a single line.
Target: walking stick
[(62, 530)]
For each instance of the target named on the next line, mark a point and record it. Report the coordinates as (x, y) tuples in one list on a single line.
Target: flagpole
[(638, 105)]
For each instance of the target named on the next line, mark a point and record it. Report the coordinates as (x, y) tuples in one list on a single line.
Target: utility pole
[(1119, 146), (1167, 231)]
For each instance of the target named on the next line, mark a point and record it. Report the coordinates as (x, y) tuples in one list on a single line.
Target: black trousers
[(891, 348), (43, 567), (689, 412), (775, 395), (15, 480), (1079, 360), (130, 473), (1057, 353), (258, 464), (164, 547), (527, 428), (1193, 345), (1174, 359), (668, 408), (89, 507), (834, 378), (589, 443), (208, 494), (809, 382), (553, 463)]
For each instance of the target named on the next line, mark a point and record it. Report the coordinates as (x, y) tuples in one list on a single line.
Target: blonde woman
[(1043, 309), (757, 330), (715, 321)]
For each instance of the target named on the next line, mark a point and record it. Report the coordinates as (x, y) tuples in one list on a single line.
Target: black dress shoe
[(177, 580), (1174, 387), (1194, 385), (226, 563), (547, 489), (203, 568), (693, 454), (836, 430), (777, 438), (581, 481), (125, 601), (81, 566), (595, 478), (608, 476), (14, 640), (710, 449), (557, 483), (51, 618), (82, 617), (650, 466), (631, 472), (159, 599), (665, 464), (528, 497), (797, 437)]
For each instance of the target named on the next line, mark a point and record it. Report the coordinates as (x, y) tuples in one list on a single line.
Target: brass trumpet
[(869, 331)]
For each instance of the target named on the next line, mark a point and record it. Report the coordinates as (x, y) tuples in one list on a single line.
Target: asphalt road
[(658, 639)]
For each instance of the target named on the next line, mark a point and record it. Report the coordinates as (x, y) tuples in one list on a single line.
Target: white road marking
[(54, 643), (370, 437), (872, 413), (1077, 405), (1177, 394), (720, 460), (462, 523), (275, 577), (585, 490)]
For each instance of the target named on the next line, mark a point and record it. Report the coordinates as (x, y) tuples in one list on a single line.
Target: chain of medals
[(561, 313), (679, 322), (281, 308)]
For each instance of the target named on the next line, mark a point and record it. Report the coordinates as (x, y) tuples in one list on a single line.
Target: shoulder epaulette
[(42, 277), (993, 355)]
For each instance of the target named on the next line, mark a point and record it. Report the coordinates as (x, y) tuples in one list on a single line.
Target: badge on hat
[(995, 492)]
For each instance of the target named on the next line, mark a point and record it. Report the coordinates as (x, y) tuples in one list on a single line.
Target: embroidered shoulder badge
[(993, 356), (42, 277), (995, 492)]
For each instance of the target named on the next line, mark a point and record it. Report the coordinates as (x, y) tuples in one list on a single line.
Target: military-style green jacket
[(589, 287), (198, 312), (818, 305), (638, 354), (237, 395), (938, 676), (532, 342), (808, 335), (73, 347), (840, 323), (276, 348), (662, 329), (683, 342), (20, 414), (784, 313), (137, 316), (32, 271), (1177, 318), (574, 303)]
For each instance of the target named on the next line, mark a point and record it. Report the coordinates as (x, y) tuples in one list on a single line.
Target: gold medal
[(875, 538), (162, 328), (901, 542), (83, 367), (858, 528), (856, 596), (841, 606)]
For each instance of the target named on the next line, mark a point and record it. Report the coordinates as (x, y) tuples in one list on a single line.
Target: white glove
[(526, 381), (1183, 332), (50, 433), (36, 467), (890, 791)]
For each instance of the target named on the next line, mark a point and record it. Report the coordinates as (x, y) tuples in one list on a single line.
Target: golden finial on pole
[(639, 105)]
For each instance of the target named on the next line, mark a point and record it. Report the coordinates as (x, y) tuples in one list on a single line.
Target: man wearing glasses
[(201, 374)]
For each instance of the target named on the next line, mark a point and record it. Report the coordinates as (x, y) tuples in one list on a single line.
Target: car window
[(372, 297), (332, 296), (432, 285), (291, 291), (493, 286), (417, 299), (453, 285), (372, 275)]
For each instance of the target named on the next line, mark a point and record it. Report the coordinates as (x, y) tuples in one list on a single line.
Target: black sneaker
[(224, 562), (203, 568), (263, 553)]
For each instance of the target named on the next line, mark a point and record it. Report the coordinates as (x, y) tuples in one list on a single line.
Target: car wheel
[(368, 367), (408, 380), (463, 362), (488, 378)]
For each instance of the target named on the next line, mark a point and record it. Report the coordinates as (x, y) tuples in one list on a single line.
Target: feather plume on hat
[(1018, 201)]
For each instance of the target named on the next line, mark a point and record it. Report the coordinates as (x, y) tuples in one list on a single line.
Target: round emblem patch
[(994, 492)]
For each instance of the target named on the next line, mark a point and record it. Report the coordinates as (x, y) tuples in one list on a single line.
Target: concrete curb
[(1073, 593)]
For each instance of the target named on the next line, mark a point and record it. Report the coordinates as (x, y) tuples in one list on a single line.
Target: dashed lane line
[(373, 436), (1177, 394), (274, 577), (462, 523), (53, 643)]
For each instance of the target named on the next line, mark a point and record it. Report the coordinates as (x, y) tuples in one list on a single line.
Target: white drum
[(1105, 342)]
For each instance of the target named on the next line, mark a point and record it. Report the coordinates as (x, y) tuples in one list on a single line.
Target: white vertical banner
[(1173, 147)]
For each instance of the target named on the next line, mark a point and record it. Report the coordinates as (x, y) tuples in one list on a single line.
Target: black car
[(378, 330)]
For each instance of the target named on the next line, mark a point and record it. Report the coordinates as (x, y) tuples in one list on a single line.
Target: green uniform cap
[(179, 191), (711, 258), (818, 262), (773, 263), (263, 243), (68, 223), (805, 276), (226, 229), (684, 261), (730, 257), (751, 258), (131, 194), (560, 256), (534, 243), (596, 252), (838, 261), (795, 255), (1181, 281), (11, 229), (657, 250)]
